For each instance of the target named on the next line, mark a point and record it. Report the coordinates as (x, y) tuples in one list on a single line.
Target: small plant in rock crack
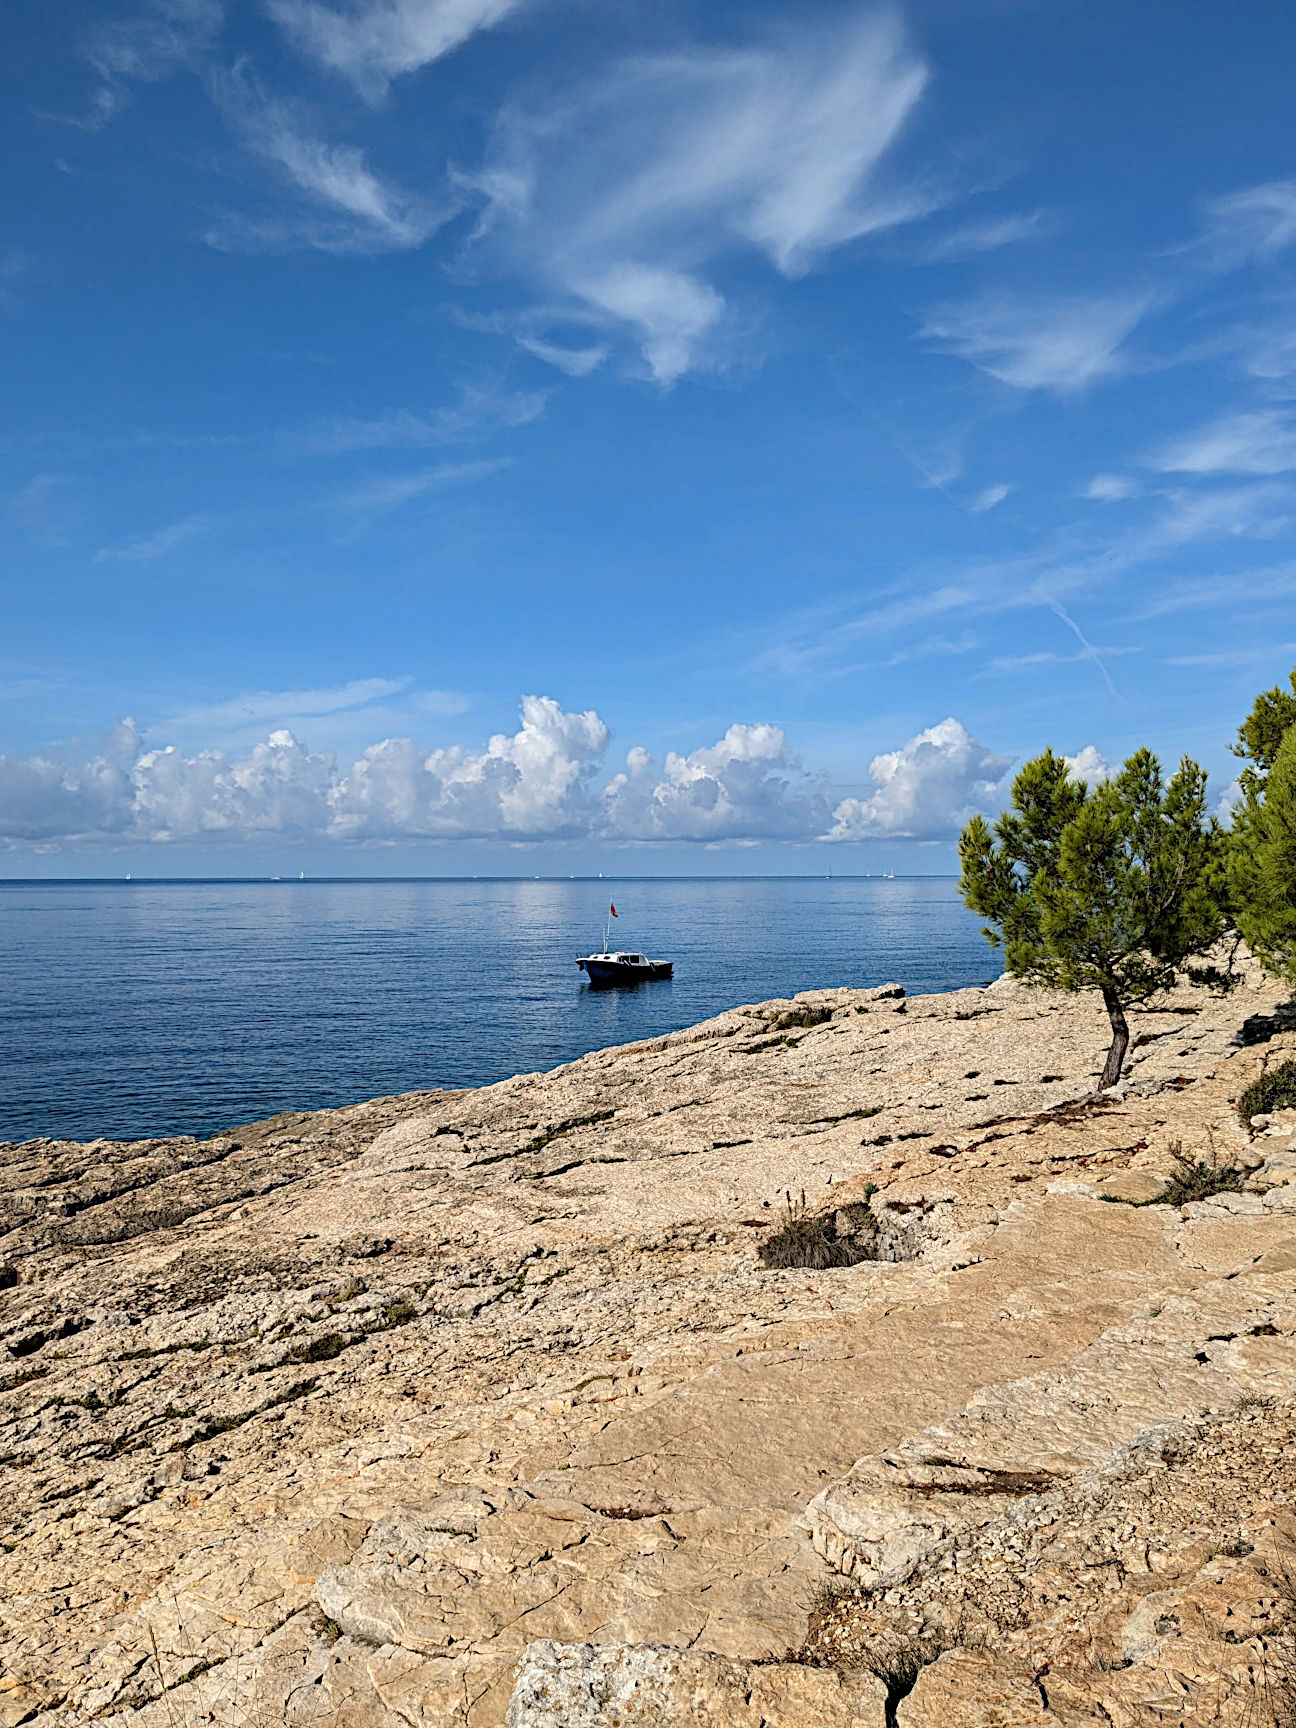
[(810, 1240), (1191, 1179), (802, 1015), (828, 1593), (1199, 1178), (898, 1661), (1275, 1089)]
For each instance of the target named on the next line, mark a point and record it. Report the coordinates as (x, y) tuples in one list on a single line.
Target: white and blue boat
[(622, 966)]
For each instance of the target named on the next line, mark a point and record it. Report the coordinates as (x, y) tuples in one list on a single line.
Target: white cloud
[(480, 409), (1256, 223), (926, 790), (621, 198), (575, 362), (976, 238), (1260, 656), (1089, 765), (262, 706), (165, 37), (144, 548), (371, 42), (746, 787), (1062, 344), (368, 215), (1275, 582), (1110, 488), (392, 491), (989, 499), (668, 311), (65, 794), (541, 782), (532, 784), (1263, 442), (279, 787)]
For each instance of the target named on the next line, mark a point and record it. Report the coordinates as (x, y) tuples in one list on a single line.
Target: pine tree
[(1110, 889), (1262, 855)]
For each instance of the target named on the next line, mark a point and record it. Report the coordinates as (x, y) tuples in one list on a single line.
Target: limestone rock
[(332, 1418), (592, 1686)]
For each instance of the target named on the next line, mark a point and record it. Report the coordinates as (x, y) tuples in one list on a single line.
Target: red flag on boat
[(612, 910)]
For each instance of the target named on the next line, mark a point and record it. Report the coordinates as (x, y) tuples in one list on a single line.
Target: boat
[(623, 967)]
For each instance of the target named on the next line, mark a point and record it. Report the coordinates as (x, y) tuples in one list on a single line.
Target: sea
[(132, 1009)]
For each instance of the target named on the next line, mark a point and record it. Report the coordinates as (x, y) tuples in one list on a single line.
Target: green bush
[(1274, 1090)]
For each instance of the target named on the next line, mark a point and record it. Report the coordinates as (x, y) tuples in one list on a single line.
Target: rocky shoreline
[(464, 1407)]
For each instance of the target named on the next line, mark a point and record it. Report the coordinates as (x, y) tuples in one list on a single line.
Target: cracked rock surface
[(469, 1406)]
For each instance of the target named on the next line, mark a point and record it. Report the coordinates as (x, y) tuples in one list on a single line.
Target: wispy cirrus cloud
[(1256, 222), (388, 492), (365, 213), (1110, 489), (144, 48), (145, 548), (1058, 343), (1261, 442), (372, 42), (974, 239), (1202, 593), (264, 707), (622, 199), (481, 408), (1253, 656)]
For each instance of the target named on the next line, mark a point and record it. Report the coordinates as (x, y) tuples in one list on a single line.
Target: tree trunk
[(1120, 1038)]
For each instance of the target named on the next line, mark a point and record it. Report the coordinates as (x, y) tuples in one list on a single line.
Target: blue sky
[(526, 435)]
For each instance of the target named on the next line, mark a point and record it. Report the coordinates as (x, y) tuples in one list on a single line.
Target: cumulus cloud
[(1062, 344), (621, 198), (1263, 442), (67, 794), (371, 42), (531, 784), (747, 787), (1089, 765), (544, 781), (926, 790)]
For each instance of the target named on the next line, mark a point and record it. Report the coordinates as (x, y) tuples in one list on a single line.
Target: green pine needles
[(1262, 845), (1112, 888)]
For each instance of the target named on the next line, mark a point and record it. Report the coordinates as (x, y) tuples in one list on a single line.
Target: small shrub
[(827, 1593), (810, 1240), (320, 1349), (1275, 1089), (898, 1662), (802, 1016), (1191, 1179), (1195, 1179)]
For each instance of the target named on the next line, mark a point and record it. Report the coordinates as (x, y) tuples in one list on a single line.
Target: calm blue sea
[(147, 1008)]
